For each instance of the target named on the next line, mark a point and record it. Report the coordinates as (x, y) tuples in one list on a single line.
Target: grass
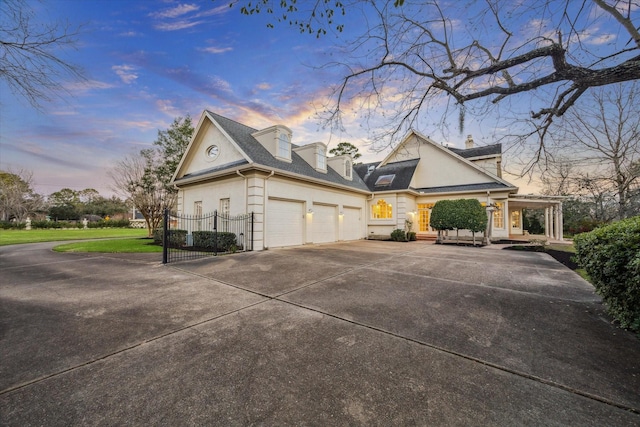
[(13, 237), (138, 245)]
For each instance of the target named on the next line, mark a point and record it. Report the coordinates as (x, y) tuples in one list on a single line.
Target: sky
[(148, 62)]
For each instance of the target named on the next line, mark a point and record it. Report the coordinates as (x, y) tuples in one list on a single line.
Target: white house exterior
[(299, 196)]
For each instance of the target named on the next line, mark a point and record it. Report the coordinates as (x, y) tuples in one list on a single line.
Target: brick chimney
[(469, 142)]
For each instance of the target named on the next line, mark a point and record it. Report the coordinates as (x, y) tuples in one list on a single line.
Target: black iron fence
[(196, 236)]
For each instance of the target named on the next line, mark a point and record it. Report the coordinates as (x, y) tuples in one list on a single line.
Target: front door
[(424, 209)]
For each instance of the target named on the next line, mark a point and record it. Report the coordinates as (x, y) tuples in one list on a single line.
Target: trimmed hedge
[(177, 238), (611, 257), (112, 223), (461, 214), (9, 225), (55, 224), (207, 239)]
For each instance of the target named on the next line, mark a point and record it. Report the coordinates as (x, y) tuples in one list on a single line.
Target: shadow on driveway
[(361, 333)]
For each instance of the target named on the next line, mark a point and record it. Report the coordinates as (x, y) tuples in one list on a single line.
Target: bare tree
[(601, 135), (30, 60), (543, 56), (145, 178), (18, 200), (134, 178)]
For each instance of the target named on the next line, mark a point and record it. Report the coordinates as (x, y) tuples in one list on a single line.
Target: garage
[(351, 224), (325, 223), (285, 223)]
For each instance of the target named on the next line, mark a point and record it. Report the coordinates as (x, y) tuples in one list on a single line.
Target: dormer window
[(347, 169), (322, 159), (284, 146)]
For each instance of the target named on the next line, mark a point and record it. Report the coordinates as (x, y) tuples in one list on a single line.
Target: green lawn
[(138, 245), (12, 237)]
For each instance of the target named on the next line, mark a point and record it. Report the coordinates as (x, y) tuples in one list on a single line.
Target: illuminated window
[(515, 219), (424, 209), (382, 210), (498, 215)]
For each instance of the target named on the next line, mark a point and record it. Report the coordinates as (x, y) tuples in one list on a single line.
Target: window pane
[(381, 210), (498, 215)]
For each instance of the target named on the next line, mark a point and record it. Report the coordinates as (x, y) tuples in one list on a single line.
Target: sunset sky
[(147, 62)]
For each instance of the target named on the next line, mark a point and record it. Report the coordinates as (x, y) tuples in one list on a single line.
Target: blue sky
[(148, 62)]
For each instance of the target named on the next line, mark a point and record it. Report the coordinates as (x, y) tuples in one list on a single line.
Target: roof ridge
[(231, 120)]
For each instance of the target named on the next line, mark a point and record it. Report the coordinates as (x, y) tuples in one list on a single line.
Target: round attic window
[(212, 152)]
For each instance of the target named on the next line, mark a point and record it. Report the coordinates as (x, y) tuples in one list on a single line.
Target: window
[(515, 219), (197, 213), (284, 146), (382, 210), (223, 218), (322, 159), (498, 215), (224, 206), (347, 169), (384, 180)]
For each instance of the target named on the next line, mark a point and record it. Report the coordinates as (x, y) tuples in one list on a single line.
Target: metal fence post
[(215, 232), (252, 230), (165, 236)]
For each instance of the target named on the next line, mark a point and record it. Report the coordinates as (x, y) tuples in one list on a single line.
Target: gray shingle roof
[(466, 187), (241, 134), (487, 150), (403, 172), (212, 170)]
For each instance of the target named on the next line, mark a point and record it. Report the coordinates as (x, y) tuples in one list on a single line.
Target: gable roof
[(487, 150), (257, 155), (400, 174)]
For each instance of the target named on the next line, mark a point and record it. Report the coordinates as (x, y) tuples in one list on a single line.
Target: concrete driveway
[(363, 333)]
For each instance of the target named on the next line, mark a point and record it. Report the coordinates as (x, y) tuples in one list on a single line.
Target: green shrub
[(206, 239), (442, 215), (119, 223), (177, 238), (8, 225), (411, 236), (461, 214), (398, 235), (55, 224), (611, 257)]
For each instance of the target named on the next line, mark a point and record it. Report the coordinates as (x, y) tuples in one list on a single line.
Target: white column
[(546, 222), (556, 221), (561, 228)]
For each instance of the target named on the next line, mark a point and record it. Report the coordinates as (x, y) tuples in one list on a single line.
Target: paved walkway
[(364, 333)]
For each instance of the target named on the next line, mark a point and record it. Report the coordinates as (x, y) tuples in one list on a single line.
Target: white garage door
[(351, 224), (325, 224), (285, 223)]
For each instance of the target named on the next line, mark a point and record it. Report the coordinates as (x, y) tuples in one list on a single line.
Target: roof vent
[(370, 169)]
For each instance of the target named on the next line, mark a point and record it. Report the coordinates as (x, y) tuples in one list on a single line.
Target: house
[(299, 195)]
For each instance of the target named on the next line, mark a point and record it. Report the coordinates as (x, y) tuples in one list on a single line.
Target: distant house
[(300, 196)]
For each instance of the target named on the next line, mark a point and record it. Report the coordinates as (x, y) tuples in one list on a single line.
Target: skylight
[(384, 180)]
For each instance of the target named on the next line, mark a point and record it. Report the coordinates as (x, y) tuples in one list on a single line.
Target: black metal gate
[(197, 236)]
